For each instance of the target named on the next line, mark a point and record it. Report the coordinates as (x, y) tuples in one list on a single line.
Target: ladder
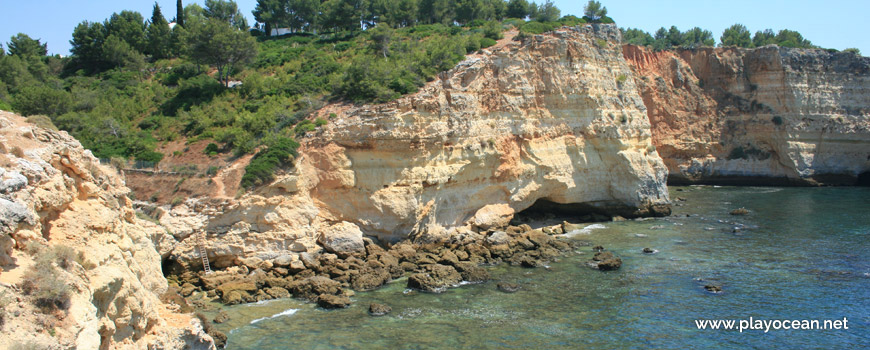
[(200, 242)]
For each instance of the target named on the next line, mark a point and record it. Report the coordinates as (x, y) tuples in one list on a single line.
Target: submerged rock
[(508, 287), (712, 288), (649, 250), (740, 211)]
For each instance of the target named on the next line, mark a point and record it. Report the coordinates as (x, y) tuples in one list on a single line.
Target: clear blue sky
[(836, 24)]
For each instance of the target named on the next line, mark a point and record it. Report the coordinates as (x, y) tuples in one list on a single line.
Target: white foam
[(287, 312), (585, 231)]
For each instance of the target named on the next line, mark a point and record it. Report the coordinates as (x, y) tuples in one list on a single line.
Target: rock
[(508, 287), (568, 227), (376, 309), (221, 317), (498, 238), (649, 250), (448, 258), (311, 288), (370, 280), (330, 301), (436, 279), (187, 290), (277, 292), (740, 211), (597, 248), (284, 260), (610, 264), (343, 239), (712, 288), (470, 272), (603, 255)]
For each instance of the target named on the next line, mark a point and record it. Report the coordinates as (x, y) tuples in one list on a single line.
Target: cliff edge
[(769, 115), (79, 269)]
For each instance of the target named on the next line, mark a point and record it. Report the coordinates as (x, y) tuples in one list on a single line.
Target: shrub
[(50, 293), (211, 149), (621, 79), (320, 122), (177, 201), (486, 42), (261, 169), (492, 30), (42, 122), (777, 120), (212, 170)]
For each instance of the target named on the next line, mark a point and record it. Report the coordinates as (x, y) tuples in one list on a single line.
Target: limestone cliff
[(553, 119), (98, 276), (765, 115)]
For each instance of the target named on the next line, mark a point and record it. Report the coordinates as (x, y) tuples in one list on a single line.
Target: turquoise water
[(802, 253)]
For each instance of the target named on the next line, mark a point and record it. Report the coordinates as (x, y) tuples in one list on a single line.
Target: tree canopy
[(594, 11), (736, 35), (22, 45)]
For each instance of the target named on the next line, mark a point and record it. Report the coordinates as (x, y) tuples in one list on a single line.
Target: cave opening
[(544, 210)]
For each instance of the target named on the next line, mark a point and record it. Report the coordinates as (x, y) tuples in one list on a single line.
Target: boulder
[(740, 211), (437, 278), (370, 279), (330, 301), (343, 239), (376, 309), (311, 288), (470, 272), (610, 264)]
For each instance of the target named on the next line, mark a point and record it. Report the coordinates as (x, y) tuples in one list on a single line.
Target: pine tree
[(158, 35)]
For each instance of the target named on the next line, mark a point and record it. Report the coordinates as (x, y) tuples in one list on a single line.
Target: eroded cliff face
[(765, 115), (554, 118), (55, 194)]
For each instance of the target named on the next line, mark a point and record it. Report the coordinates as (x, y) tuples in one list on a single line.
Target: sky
[(835, 24)]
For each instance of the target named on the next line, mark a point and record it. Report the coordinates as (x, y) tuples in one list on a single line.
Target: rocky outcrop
[(63, 211), (769, 115), (552, 119)]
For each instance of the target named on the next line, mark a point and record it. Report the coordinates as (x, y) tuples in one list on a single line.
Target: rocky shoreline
[(330, 278)]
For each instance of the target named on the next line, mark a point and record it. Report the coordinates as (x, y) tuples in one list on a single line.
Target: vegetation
[(43, 282), (735, 35)]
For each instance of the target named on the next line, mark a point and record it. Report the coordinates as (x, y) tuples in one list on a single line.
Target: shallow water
[(802, 253)]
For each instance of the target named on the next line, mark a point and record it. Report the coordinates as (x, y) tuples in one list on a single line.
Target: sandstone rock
[(56, 193), (603, 255), (343, 239), (376, 309), (785, 99), (329, 301)]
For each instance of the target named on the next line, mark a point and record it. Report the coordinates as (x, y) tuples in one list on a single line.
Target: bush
[(262, 168), (621, 79), (536, 28), (42, 100), (777, 120), (320, 122), (212, 149), (492, 30), (486, 42), (42, 281)]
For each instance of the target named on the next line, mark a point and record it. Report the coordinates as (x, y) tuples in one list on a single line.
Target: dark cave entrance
[(549, 211)]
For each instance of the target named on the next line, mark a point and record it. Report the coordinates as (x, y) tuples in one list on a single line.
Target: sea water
[(800, 254)]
